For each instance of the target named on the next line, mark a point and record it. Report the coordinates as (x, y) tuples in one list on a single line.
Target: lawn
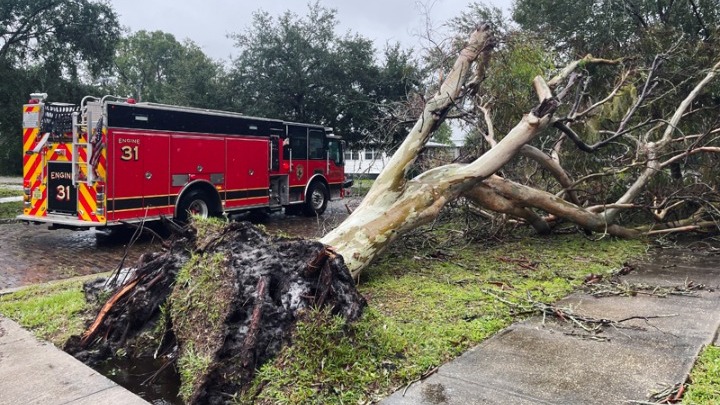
[(430, 298), (52, 311), (10, 210), (705, 379), (10, 192)]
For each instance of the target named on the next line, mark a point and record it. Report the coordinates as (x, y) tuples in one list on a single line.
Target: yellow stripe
[(38, 170), (30, 139), (143, 208), (43, 205), (244, 189), (100, 169), (30, 162), (101, 172), (60, 157), (87, 198)]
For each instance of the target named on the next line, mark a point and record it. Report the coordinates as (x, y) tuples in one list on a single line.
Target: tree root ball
[(221, 300)]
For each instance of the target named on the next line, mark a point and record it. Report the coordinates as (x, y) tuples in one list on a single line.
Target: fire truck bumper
[(60, 222)]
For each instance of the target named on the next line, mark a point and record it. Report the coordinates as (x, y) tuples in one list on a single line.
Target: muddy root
[(229, 297)]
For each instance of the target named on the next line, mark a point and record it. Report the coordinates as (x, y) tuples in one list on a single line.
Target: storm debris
[(225, 297)]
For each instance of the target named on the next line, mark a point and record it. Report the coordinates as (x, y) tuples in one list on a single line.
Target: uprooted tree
[(229, 296), (640, 150)]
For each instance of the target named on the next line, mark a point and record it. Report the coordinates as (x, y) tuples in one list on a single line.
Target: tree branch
[(553, 167), (389, 184)]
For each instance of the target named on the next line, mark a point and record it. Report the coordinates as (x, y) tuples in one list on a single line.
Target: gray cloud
[(208, 23)]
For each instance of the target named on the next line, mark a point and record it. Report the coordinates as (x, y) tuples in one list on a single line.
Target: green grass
[(10, 192), (361, 186), (199, 305), (191, 365), (423, 312), (197, 309), (51, 311), (705, 379), (10, 210), (430, 299)]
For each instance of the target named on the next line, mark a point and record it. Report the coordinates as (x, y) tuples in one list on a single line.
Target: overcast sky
[(209, 22)]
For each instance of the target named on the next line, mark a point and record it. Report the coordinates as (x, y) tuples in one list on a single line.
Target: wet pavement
[(651, 343), (310, 227), (31, 254), (35, 372)]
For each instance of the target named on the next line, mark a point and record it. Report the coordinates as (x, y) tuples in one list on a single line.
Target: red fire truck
[(110, 160)]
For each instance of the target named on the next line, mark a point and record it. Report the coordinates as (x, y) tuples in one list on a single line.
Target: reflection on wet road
[(309, 227), (32, 254)]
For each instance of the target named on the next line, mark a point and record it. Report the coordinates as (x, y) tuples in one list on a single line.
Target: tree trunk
[(395, 205)]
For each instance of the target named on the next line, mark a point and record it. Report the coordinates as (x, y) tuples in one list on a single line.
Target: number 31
[(129, 153), (63, 193)]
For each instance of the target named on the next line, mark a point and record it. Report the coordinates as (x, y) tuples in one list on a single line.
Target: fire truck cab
[(109, 161)]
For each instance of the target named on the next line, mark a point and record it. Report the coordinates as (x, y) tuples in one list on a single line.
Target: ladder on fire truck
[(86, 127)]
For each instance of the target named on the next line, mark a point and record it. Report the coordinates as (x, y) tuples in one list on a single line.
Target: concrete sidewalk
[(11, 183), (11, 180), (536, 362), (32, 372), (10, 199)]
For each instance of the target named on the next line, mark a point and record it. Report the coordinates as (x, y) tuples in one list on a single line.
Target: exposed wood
[(247, 357)]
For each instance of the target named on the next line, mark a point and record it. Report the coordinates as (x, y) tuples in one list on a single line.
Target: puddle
[(136, 375)]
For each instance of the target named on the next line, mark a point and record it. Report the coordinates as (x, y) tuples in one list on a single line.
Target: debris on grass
[(228, 297)]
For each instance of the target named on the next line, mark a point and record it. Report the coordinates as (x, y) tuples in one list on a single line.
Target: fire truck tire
[(316, 200), (194, 203)]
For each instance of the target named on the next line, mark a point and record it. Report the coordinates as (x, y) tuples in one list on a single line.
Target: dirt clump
[(221, 300)]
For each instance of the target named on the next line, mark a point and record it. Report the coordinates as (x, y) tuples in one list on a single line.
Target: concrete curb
[(34, 372)]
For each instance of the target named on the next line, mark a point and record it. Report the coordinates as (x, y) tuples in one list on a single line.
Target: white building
[(369, 162)]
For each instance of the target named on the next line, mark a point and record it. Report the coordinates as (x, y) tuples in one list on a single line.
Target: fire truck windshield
[(335, 151)]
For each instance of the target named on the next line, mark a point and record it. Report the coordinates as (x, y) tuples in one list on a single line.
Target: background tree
[(614, 28), (155, 67), (665, 49), (50, 46), (299, 69), (443, 134)]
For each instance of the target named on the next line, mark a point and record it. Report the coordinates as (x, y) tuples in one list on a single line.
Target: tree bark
[(395, 205)]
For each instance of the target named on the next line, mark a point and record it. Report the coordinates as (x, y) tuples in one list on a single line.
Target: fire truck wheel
[(195, 203), (316, 200)]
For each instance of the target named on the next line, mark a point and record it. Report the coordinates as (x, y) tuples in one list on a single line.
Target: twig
[(422, 377)]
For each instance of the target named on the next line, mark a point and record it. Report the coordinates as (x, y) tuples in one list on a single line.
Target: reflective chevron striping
[(87, 203), (29, 138), (39, 205), (32, 166)]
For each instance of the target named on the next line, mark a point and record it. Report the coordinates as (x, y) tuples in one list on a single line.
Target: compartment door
[(62, 195)]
